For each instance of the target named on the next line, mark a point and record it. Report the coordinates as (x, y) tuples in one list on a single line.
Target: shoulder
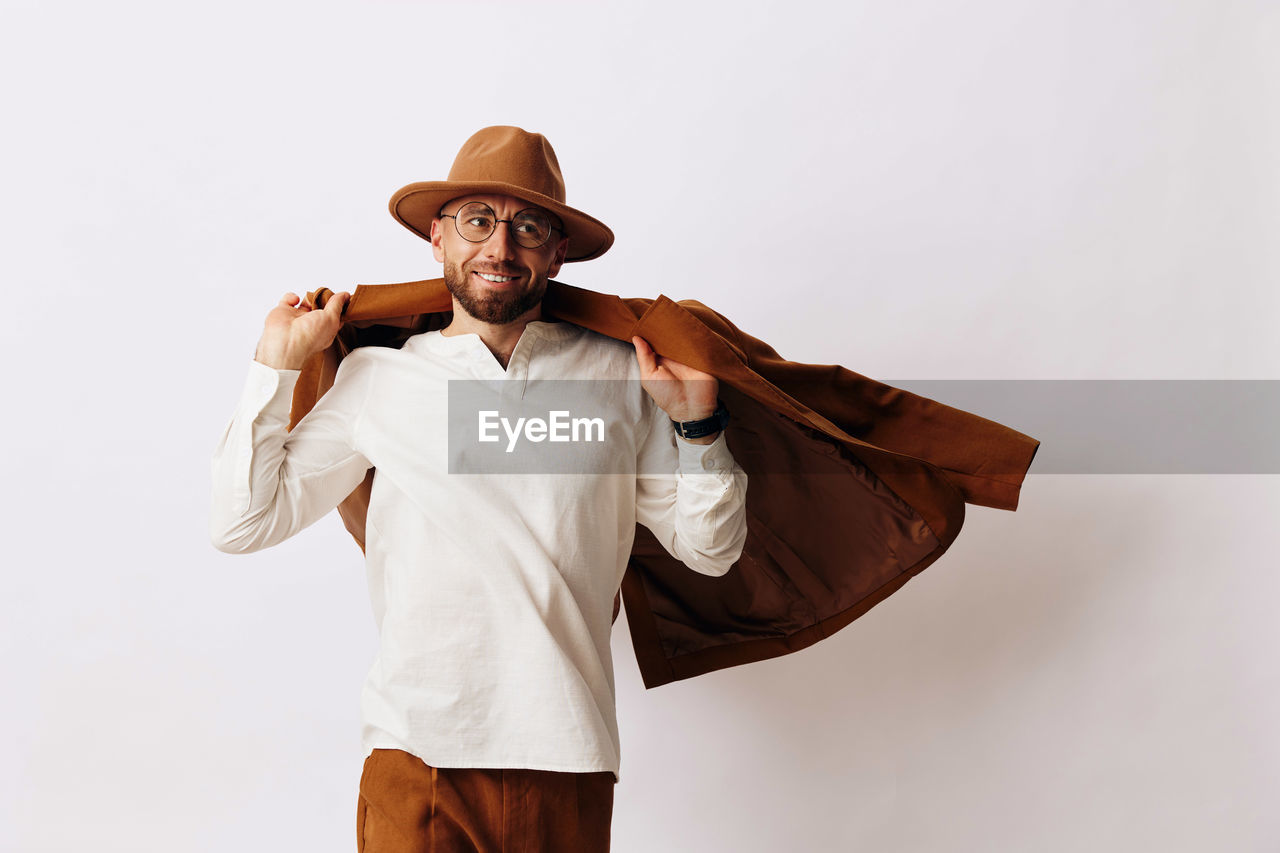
[(360, 365), (604, 354), (359, 360), (585, 338)]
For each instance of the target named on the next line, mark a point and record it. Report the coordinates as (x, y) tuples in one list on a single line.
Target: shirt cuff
[(269, 388), (701, 458)]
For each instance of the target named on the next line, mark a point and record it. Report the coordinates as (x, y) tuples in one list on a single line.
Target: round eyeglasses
[(476, 222)]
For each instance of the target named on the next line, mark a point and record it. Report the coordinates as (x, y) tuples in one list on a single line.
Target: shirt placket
[(517, 372)]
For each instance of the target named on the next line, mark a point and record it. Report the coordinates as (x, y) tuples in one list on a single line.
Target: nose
[(500, 245)]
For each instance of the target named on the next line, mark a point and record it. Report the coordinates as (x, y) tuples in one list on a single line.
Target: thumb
[(335, 306), (644, 354)]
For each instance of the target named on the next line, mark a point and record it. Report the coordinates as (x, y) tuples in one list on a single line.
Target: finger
[(675, 366), (333, 308), (684, 371), (644, 354), (289, 300)]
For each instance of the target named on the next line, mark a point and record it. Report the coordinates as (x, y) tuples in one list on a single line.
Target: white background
[(1053, 190)]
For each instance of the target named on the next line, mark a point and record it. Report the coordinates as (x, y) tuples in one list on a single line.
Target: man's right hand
[(295, 330)]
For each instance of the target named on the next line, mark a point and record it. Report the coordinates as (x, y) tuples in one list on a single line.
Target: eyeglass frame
[(510, 224)]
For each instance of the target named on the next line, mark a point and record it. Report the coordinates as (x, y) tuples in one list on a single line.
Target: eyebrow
[(556, 221), (537, 211), (551, 217), (460, 207)]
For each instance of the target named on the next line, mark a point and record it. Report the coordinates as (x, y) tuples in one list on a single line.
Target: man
[(489, 713)]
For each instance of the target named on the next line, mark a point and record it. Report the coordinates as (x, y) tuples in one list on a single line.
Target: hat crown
[(513, 156)]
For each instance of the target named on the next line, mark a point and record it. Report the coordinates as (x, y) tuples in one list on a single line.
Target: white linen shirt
[(492, 593)]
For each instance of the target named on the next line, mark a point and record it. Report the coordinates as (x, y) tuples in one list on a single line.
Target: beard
[(497, 307)]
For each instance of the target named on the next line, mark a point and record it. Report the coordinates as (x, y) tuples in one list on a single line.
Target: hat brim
[(416, 205)]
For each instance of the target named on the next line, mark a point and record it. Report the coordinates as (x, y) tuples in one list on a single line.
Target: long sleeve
[(269, 482), (698, 513)]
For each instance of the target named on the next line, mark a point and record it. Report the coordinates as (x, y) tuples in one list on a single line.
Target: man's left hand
[(683, 392)]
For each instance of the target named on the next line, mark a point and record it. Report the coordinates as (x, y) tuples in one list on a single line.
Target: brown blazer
[(853, 486)]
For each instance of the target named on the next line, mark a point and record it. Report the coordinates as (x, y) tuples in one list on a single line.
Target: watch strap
[(713, 423)]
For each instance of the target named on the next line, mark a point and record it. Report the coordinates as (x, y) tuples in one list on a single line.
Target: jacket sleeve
[(270, 482), (987, 461), (691, 496)]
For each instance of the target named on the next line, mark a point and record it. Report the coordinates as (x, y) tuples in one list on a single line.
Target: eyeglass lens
[(476, 222)]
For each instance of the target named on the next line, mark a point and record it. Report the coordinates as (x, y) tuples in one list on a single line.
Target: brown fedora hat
[(507, 161)]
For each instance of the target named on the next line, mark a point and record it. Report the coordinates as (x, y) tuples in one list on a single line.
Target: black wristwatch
[(717, 421)]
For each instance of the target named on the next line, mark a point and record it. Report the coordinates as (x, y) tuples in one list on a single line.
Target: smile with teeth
[(496, 279)]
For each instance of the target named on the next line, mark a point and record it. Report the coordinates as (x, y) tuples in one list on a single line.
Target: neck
[(499, 338)]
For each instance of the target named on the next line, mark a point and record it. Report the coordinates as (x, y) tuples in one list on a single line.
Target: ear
[(562, 248), (437, 240)]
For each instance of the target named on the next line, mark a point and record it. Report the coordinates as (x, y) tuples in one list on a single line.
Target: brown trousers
[(408, 806)]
